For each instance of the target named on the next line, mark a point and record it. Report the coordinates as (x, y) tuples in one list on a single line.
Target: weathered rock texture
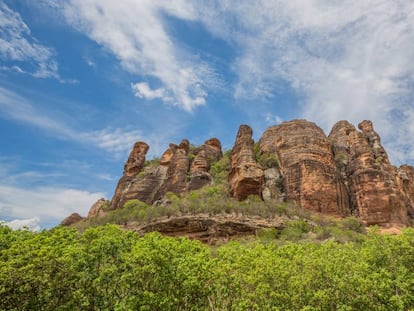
[(71, 219), (205, 155), (370, 179), (132, 167), (209, 229), (309, 172), (406, 182), (179, 170), (98, 208), (246, 177), (346, 173)]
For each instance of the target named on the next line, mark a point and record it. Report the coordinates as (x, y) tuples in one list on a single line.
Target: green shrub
[(220, 169), (295, 230)]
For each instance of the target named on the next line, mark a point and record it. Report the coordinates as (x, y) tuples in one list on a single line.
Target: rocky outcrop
[(371, 180), (246, 176), (273, 182), (309, 172), (173, 173), (179, 165), (346, 173), (132, 167), (210, 229), (98, 208), (406, 180), (71, 219), (205, 155)]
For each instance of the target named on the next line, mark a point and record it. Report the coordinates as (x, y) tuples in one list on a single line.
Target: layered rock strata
[(309, 172), (246, 176), (132, 167), (180, 169), (346, 173), (371, 180), (406, 182), (205, 155)]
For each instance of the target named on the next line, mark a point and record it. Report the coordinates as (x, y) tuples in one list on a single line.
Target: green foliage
[(265, 159), (295, 230), (341, 160), (220, 169), (106, 268), (151, 163)]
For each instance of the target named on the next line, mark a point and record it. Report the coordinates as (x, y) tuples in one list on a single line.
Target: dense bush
[(106, 268)]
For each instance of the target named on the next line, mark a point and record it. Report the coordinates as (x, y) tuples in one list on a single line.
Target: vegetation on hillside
[(106, 268)]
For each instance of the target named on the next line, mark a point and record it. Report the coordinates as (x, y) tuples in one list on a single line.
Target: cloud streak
[(136, 35), (19, 47)]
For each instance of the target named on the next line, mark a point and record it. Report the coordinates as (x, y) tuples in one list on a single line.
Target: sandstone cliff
[(345, 173), (180, 169), (372, 182), (246, 175), (310, 177)]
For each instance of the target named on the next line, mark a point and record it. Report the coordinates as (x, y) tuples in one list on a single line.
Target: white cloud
[(143, 90), (32, 224), (48, 204), (18, 46), (117, 140), (273, 119), (135, 33)]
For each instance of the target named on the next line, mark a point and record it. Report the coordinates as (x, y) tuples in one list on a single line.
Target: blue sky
[(82, 80)]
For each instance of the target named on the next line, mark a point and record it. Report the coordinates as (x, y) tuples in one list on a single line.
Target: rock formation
[(174, 173), (71, 219), (371, 180), (205, 155), (132, 167), (309, 172), (406, 182), (246, 176), (210, 229), (98, 208), (346, 173)]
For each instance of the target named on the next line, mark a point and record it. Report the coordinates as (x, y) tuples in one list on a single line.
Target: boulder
[(71, 219)]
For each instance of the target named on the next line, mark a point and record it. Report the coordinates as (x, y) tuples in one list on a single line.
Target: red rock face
[(71, 219), (136, 159), (246, 177), (347, 173), (172, 174), (132, 167), (178, 167), (371, 179), (204, 156), (97, 208), (406, 183), (307, 165)]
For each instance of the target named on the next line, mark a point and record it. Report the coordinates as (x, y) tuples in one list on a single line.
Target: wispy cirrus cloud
[(21, 50), (135, 33)]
